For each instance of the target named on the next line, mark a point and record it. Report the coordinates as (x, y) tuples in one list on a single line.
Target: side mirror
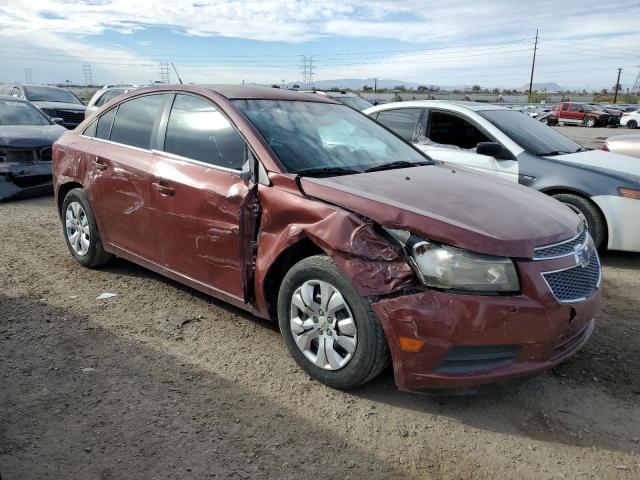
[(491, 149), (57, 120)]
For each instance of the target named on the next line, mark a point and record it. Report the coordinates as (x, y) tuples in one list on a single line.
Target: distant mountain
[(550, 87), (354, 83)]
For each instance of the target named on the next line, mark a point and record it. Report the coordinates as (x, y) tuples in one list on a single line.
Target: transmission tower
[(27, 75), (636, 85), (164, 72), (88, 76), (307, 71)]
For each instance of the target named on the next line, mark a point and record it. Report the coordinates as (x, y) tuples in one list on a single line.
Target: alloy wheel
[(322, 325), (77, 228)]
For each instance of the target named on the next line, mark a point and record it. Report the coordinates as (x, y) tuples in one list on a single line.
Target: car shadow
[(79, 401)]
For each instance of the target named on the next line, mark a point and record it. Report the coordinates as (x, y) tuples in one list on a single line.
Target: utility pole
[(533, 66), (27, 75), (615, 95), (307, 71), (636, 85), (88, 77), (310, 85), (375, 84)]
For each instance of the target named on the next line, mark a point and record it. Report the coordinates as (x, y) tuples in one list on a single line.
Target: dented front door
[(197, 221)]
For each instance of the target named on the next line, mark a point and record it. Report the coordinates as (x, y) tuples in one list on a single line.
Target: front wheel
[(331, 332), (632, 124), (81, 232), (588, 213)]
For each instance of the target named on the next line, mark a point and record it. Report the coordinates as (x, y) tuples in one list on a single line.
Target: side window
[(574, 108), (136, 120), (565, 107), (108, 96), (197, 130), (103, 129), (90, 131), (451, 129), (403, 121)]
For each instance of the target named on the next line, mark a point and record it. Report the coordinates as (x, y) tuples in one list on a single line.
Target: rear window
[(136, 120)]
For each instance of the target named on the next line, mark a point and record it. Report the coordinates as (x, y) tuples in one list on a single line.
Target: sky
[(446, 42)]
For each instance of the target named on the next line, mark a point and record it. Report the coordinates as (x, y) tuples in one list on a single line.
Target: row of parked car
[(430, 234)]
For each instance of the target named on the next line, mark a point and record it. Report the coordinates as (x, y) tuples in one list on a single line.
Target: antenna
[(177, 74)]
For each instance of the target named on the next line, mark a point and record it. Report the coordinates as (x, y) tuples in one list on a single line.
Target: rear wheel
[(81, 232), (588, 213), (331, 332), (632, 124)]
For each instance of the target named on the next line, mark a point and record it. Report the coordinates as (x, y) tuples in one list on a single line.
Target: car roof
[(452, 104), (11, 97), (242, 92)]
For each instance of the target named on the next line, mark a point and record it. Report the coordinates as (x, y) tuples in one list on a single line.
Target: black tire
[(590, 122), (593, 217), (95, 255), (371, 355), (632, 124), (552, 121)]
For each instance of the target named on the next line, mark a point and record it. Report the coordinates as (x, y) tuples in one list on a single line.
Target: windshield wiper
[(326, 172), (392, 165)]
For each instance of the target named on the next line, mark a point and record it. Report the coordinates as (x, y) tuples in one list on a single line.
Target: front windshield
[(309, 135), (50, 94), (20, 113), (354, 102), (532, 135)]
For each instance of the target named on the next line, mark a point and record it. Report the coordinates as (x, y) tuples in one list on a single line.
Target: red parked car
[(572, 113), (297, 208)]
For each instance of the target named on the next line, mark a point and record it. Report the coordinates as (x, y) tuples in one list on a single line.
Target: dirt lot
[(163, 382)]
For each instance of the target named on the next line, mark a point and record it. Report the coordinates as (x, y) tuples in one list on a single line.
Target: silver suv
[(105, 94)]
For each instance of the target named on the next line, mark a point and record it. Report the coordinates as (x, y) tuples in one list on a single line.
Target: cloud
[(567, 28)]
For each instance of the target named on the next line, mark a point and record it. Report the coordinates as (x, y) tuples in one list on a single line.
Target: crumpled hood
[(27, 136), (455, 206), (603, 160), (60, 105)]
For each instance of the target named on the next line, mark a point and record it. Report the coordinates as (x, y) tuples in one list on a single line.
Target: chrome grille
[(560, 249), (575, 283)]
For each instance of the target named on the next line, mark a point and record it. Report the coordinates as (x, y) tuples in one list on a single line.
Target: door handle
[(99, 164), (164, 189)]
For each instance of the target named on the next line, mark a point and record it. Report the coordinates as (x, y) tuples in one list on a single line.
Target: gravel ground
[(164, 382)]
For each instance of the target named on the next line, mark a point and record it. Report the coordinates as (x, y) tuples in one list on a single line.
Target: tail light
[(605, 148)]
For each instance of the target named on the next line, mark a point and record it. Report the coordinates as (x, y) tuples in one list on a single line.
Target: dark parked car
[(297, 208), (26, 136), (55, 102)]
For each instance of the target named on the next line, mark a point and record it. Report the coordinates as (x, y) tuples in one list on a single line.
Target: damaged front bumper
[(24, 179), (445, 340)]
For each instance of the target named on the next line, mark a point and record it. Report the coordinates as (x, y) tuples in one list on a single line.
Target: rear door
[(199, 196), (120, 166)]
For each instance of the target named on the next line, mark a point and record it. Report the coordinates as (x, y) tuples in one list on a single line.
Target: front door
[(199, 195)]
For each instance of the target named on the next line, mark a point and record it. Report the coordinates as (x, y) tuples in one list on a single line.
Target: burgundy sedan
[(297, 208)]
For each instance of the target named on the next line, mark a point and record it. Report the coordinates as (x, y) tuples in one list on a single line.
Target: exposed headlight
[(451, 268)]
